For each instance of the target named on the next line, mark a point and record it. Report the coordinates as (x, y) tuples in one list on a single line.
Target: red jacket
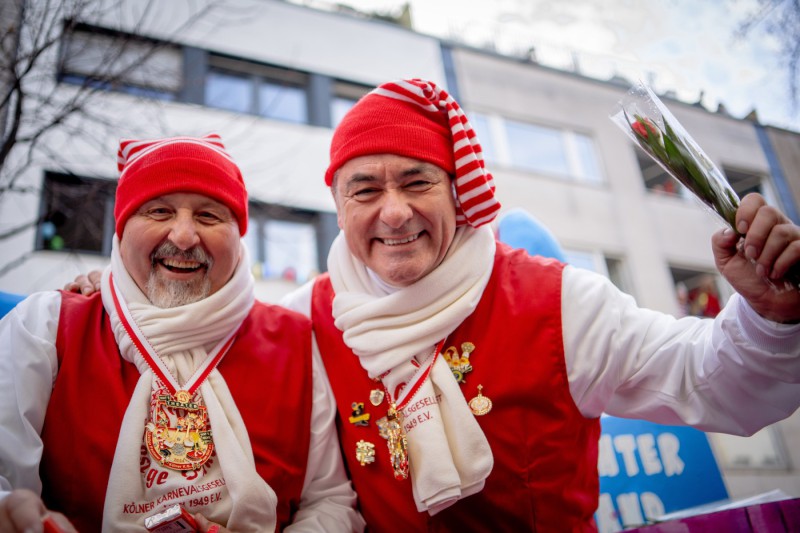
[(545, 451), (268, 371)]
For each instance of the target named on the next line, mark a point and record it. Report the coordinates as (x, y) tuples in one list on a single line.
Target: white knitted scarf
[(182, 336), (449, 455)]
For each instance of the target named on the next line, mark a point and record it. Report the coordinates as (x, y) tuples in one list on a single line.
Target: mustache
[(168, 249)]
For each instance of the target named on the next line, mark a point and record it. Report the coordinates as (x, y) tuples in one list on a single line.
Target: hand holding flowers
[(645, 119)]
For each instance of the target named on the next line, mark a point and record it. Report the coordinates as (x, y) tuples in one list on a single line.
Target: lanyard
[(152, 358)]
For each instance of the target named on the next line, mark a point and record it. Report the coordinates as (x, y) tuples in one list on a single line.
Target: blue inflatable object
[(8, 301), (520, 229)]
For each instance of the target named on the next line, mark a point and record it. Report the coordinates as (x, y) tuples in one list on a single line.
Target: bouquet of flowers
[(646, 120)]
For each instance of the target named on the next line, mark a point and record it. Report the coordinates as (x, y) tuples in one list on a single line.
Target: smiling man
[(483, 370), (153, 392)]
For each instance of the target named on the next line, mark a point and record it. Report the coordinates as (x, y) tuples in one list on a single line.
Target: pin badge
[(480, 404), (359, 418), (365, 452), (459, 364), (376, 397)]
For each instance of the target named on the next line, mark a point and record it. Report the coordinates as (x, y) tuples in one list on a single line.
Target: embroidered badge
[(359, 417), (459, 364)]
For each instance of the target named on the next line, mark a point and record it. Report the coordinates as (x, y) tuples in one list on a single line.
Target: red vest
[(268, 371), (545, 452)]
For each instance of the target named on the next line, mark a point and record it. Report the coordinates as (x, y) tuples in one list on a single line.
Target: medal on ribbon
[(391, 427), (178, 434)]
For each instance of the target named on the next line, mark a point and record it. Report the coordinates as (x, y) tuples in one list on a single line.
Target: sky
[(687, 46)]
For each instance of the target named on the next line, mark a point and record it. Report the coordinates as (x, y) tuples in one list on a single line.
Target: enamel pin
[(359, 417), (376, 397), (459, 364)]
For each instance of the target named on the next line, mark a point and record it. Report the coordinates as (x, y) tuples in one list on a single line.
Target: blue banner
[(647, 469)]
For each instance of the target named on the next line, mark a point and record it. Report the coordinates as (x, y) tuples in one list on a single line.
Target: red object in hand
[(50, 526)]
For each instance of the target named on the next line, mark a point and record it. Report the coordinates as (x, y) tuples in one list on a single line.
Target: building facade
[(274, 78)]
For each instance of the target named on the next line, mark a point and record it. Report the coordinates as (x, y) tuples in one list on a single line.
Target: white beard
[(167, 294)]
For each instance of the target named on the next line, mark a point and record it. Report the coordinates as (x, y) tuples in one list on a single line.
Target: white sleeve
[(299, 300), (28, 367), (328, 501), (734, 374)]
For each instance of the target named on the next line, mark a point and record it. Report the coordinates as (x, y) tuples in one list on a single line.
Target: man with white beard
[(172, 385)]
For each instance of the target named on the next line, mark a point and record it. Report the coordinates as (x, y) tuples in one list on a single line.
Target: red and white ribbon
[(152, 358)]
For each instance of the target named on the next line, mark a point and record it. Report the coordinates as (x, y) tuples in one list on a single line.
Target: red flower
[(643, 127)]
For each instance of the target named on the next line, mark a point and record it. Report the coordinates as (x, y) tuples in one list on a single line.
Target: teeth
[(176, 263), (392, 242)]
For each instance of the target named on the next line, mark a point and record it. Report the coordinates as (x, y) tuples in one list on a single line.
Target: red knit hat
[(152, 168), (415, 118)]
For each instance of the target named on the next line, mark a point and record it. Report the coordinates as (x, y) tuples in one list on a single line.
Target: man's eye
[(419, 185), (207, 216), (365, 192), (158, 212)]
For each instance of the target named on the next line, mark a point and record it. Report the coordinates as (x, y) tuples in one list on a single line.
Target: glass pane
[(590, 170), (227, 91), (282, 102), (74, 213), (656, 178), (480, 124), (579, 259), (339, 108), (291, 250), (536, 148)]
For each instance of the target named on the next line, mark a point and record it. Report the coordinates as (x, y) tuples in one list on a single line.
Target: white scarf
[(449, 455), (181, 337)]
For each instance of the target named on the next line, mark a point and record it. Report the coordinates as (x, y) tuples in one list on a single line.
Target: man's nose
[(395, 209), (183, 232)]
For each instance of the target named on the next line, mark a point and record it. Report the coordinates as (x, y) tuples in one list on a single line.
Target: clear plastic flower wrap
[(642, 116)]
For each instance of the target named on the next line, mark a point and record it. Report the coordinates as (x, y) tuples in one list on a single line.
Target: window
[(541, 149), (229, 91), (282, 242), (263, 90), (744, 182), (116, 61), (480, 123), (697, 292), (610, 267), (535, 148), (656, 179), (77, 214), (345, 96), (763, 450)]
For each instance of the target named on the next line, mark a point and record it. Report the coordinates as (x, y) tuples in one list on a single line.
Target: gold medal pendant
[(178, 435), (397, 441), (480, 404)]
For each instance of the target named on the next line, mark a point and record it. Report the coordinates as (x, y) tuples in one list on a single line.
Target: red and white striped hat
[(155, 167), (415, 118)]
